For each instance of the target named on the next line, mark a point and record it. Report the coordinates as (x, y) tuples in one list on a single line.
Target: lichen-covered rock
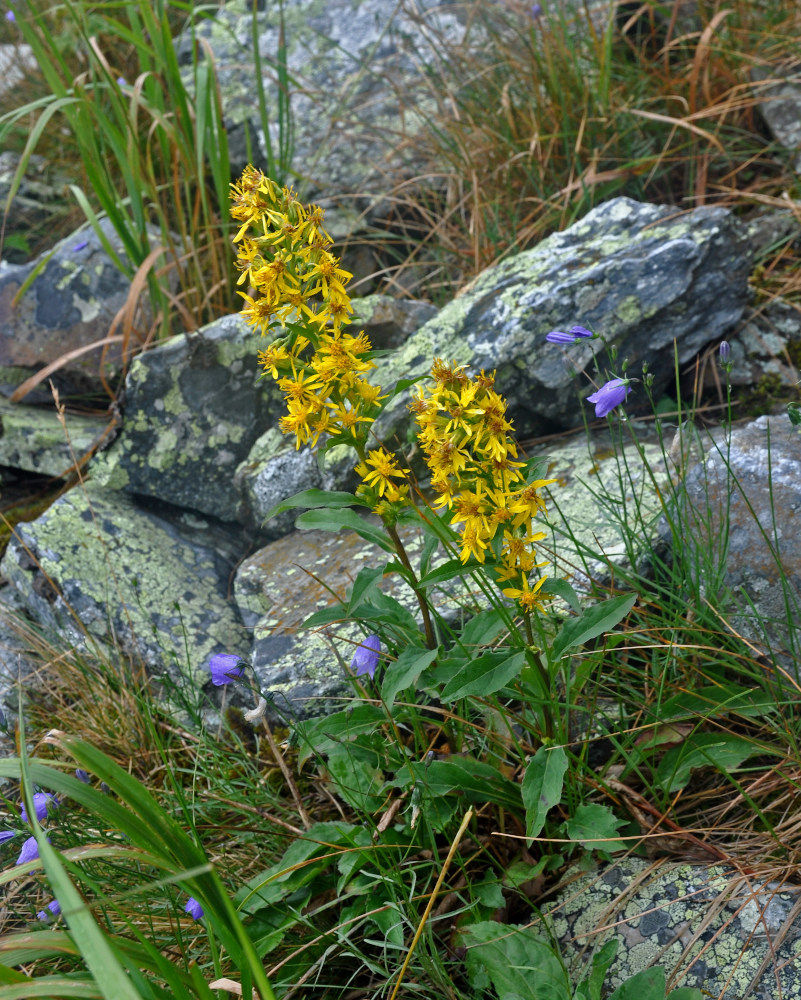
[(70, 305), (38, 200), (780, 104), (738, 514), (193, 409), (640, 275), (389, 322), (759, 348), (32, 439), (17, 668), (97, 566), (709, 927)]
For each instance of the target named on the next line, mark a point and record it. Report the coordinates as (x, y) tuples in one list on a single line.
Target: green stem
[(428, 627), (542, 671)]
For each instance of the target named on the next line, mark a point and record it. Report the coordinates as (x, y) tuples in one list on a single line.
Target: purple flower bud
[(54, 909), (11, 16), (581, 331), (43, 802), (725, 351), (80, 246), (536, 9), (104, 788), (609, 396), (365, 659), (225, 667), (558, 337), (30, 851), (7, 835), (193, 908), (121, 81), (82, 775)]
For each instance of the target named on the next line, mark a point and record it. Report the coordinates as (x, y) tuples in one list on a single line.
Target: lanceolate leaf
[(592, 622), (542, 787), (484, 676)]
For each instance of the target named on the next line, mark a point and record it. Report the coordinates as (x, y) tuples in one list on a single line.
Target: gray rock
[(638, 274), (759, 348), (738, 514), (779, 91), (709, 927), (193, 409), (357, 86), (273, 471), (32, 439), (389, 322), (70, 305), (18, 671), (38, 201), (96, 567)]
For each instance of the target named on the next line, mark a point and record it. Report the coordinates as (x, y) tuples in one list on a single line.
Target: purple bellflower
[(7, 835), (30, 851), (193, 908), (225, 668), (609, 396), (53, 909), (576, 333), (10, 15), (43, 802), (365, 659)]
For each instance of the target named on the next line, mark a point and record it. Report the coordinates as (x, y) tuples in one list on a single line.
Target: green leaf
[(561, 588), (312, 499), (447, 571), (365, 583), (719, 750), (483, 628), (542, 787), (49, 987), (405, 671), (475, 780), (592, 622), (338, 520), (515, 960), (646, 985), (717, 698), (686, 993), (485, 675), (592, 824), (592, 986), (356, 777), (320, 736)]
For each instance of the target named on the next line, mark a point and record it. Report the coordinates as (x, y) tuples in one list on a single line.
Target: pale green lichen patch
[(129, 574), (708, 927)]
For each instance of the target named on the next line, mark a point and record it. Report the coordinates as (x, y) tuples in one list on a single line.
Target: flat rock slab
[(98, 566), (639, 275), (709, 927), (284, 583), (32, 439)]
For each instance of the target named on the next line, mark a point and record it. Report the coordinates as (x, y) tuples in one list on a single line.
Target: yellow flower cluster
[(288, 262), (463, 435), (319, 368)]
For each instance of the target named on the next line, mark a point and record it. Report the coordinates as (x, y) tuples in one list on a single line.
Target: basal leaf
[(592, 824), (515, 960), (542, 787), (719, 750)]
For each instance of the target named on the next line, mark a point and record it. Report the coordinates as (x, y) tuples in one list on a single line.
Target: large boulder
[(193, 409), (642, 276), (98, 567)]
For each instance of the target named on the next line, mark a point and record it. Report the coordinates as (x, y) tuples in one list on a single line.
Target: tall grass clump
[(146, 135), (543, 111), (503, 729)]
